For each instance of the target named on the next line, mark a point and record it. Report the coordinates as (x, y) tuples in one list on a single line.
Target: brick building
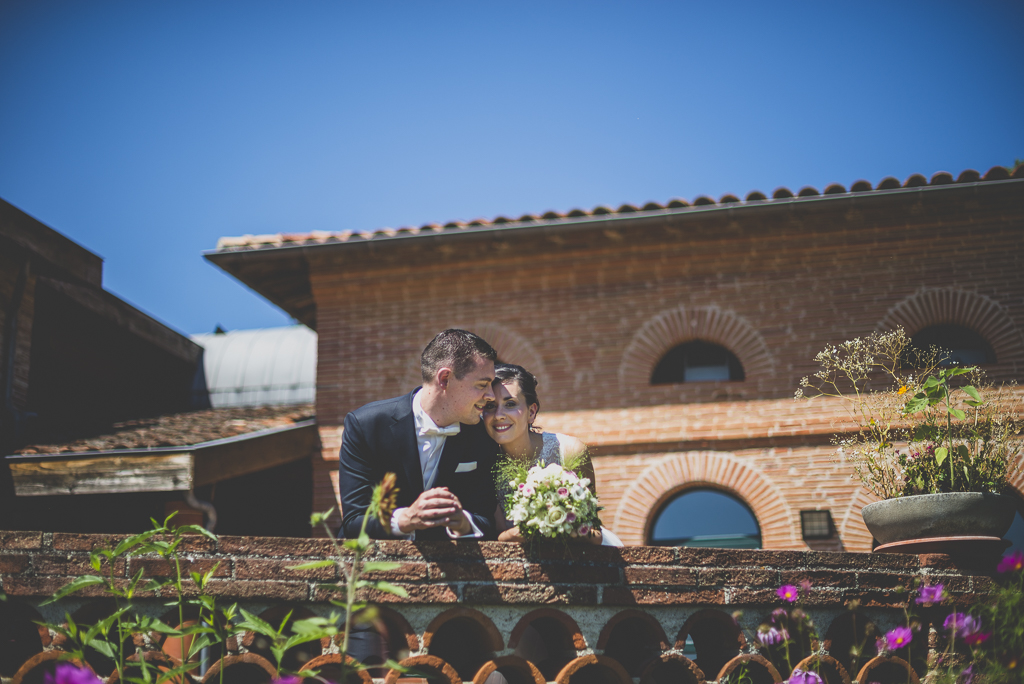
[(606, 305), (106, 418)]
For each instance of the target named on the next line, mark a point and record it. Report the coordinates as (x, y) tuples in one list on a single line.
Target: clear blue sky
[(147, 130)]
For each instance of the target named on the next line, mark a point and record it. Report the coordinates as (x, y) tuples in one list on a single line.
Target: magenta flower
[(779, 616), (898, 638), (771, 636), (288, 679), (1012, 563), (930, 595), (563, 492), (976, 638), (66, 673), (787, 592), (801, 677)]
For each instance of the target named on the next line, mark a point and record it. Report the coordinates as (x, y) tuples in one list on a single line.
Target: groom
[(432, 440)]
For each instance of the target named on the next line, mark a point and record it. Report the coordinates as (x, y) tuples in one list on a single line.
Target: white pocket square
[(466, 467)]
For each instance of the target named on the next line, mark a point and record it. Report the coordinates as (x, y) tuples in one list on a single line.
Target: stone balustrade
[(640, 614)]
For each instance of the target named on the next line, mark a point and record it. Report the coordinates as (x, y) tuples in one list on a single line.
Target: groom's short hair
[(455, 349)]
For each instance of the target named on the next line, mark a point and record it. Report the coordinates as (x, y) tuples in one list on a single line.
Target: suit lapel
[(403, 432)]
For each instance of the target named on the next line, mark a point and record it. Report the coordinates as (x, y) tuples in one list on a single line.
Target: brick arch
[(633, 614), (682, 324), (511, 662), (850, 525), (510, 345), (609, 664), (429, 662), (493, 636), (571, 628), (934, 306), (720, 470)]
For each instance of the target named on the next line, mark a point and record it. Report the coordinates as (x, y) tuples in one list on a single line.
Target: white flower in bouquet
[(551, 501)]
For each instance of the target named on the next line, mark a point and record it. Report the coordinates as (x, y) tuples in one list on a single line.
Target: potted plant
[(929, 438)]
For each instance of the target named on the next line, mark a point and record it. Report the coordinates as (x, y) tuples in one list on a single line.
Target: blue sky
[(147, 130)]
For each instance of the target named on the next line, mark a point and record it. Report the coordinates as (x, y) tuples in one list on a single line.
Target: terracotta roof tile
[(182, 429), (254, 242)]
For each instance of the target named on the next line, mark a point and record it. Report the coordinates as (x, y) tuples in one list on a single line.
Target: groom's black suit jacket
[(381, 437)]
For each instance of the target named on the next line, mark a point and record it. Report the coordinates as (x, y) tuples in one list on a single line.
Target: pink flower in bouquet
[(898, 638), (584, 529), (563, 492), (1012, 563), (66, 673), (570, 517), (528, 490), (930, 595)]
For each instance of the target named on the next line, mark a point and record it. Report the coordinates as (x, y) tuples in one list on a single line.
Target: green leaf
[(131, 542), (198, 644), (364, 540), (196, 529), (176, 672), (378, 566), (104, 647), (297, 639), (957, 413), (257, 625), (73, 586), (940, 455), (972, 392), (391, 589), (963, 452), (395, 665), (931, 382), (915, 405), (312, 564)]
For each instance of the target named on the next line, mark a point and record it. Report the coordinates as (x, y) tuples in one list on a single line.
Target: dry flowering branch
[(916, 425)]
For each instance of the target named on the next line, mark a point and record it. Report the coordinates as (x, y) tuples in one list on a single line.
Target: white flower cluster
[(553, 502)]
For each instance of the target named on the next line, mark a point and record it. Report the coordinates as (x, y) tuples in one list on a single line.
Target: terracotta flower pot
[(951, 514)]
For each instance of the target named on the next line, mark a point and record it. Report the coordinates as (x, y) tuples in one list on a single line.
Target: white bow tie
[(449, 431)]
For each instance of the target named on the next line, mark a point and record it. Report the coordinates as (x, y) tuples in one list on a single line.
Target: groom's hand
[(433, 508)]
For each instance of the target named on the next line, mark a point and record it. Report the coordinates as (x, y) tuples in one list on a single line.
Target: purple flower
[(67, 673), (801, 677), (771, 636), (570, 517), (779, 616), (288, 679), (584, 529), (1012, 563), (930, 595), (962, 625), (787, 592), (967, 676), (898, 638)]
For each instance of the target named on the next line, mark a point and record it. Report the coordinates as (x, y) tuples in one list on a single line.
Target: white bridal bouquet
[(552, 502)]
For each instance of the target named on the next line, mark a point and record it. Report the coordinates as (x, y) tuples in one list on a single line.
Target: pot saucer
[(947, 545)]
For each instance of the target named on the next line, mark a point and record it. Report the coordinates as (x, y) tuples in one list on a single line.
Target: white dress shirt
[(430, 441)]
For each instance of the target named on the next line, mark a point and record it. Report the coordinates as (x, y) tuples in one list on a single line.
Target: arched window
[(697, 361), (966, 347), (706, 517)]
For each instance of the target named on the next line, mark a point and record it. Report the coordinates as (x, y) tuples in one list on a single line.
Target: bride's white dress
[(553, 451)]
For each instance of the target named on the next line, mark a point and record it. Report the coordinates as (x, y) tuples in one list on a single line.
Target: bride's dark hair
[(507, 372)]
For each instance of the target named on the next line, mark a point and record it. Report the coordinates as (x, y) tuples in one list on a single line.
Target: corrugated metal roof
[(262, 367)]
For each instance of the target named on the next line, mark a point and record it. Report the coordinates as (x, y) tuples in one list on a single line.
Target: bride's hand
[(511, 535)]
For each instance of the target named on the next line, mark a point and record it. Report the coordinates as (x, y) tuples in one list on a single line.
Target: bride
[(509, 422)]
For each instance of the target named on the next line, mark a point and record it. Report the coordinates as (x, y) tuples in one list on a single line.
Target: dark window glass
[(965, 347), (706, 517), (697, 361)]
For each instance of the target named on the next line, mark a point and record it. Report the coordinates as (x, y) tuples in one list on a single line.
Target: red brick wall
[(662, 594), (593, 309)]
